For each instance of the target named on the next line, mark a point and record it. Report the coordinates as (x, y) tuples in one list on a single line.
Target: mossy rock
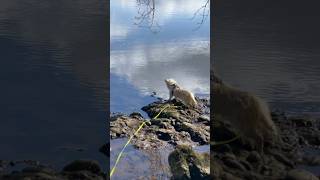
[(186, 164)]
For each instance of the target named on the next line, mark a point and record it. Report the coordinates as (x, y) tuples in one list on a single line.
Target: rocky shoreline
[(79, 169), (183, 128), (238, 160), (175, 125)]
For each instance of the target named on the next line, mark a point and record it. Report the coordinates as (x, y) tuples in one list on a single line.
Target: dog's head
[(171, 83)]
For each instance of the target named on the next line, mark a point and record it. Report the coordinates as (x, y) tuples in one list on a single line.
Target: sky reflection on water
[(142, 57)]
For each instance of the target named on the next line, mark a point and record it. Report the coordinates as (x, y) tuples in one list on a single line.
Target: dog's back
[(185, 96)]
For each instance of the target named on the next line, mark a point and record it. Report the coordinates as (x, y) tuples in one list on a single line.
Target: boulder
[(299, 174), (186, 164), (83, 165)]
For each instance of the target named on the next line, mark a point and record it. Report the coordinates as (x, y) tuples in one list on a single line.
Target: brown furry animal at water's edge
[(184, 95), (249, 114)]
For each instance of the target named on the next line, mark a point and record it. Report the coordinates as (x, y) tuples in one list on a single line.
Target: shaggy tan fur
[(247, 113), (181, 94)]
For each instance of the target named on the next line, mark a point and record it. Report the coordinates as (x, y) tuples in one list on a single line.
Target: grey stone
[(299, 174)]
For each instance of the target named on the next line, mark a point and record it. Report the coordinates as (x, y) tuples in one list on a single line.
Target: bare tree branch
[(204, 12), (146, 15)]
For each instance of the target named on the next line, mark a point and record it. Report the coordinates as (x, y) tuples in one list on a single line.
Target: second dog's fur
[(247, 113)]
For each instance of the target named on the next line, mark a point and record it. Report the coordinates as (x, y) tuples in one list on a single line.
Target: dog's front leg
[(171, 95)]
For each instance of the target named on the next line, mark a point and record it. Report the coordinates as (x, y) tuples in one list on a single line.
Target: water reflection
[(155, 14), (260, 48), (136, 164), (146, 67), (53, 80), (155, 40)]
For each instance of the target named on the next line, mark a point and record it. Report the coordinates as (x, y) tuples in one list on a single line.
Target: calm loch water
[(53, 93), (271, 48)]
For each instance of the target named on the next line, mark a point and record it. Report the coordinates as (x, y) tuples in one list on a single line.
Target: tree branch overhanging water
[(146, 15)]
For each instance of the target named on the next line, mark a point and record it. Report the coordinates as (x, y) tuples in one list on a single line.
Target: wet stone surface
[(79, 169), (176, 125)]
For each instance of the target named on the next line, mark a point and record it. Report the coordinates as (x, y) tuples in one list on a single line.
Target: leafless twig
[(146, 15), (204, 12)]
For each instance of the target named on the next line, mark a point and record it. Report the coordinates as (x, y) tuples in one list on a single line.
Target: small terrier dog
[(183, 95)]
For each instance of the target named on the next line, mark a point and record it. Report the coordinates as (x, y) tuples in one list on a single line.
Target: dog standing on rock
[(181, 94)]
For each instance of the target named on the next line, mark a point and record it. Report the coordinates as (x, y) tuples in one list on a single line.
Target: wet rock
[(204, 118), (311, 135), (235, 160), (252, 175), (228, 156), (197, 134), (83, 165), (215, 170), (299, 174), (164, 134), (115, 116), (80, 169), (239, 160), (12, 163), (281, 158), (32, 172), (277, 168), (3, 164), (229, 176), (223, 148), (246, 164), (254, 157), (312, 160), (176, 124), (105, 149), (33, 176), (186, 164), (83, 175), (302, 121), (38, 169), (124, 126), (232, 163), (222, 130), (162, 123), (266, 170), (135, 115)]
